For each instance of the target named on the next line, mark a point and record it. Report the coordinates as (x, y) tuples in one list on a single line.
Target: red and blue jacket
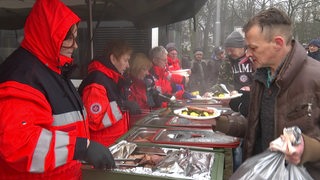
[(41, 113), (103, 95)]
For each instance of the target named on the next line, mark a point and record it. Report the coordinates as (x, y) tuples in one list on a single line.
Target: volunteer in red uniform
[(139, 89), (173, 64), (173, 60), (43, 129), (162, 77), (104, 95)]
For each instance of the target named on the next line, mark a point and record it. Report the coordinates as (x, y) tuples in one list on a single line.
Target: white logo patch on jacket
[(95, 108)]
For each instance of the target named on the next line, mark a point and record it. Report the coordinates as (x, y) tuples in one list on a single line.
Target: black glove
[(133, 107), (241, 104), (96, 154)]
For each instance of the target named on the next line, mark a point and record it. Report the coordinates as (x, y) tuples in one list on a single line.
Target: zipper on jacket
[(309, 109)]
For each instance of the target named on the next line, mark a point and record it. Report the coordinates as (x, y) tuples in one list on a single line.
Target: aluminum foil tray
[(195, 137), (172, 162)]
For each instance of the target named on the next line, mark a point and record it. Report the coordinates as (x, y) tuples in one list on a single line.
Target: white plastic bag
[(270, 165)]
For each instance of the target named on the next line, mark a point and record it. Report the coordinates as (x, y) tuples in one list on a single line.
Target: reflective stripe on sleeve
[(169, 76), (84, 113), (67, 118), (41, 151), (116, 113), (60, 148), (116, 110)]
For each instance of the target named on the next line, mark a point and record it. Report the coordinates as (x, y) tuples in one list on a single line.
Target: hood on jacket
[(45, 29)]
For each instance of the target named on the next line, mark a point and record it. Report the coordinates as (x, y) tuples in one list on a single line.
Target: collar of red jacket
[(45, 29), (172, 61), (96, 65), (159, 71)]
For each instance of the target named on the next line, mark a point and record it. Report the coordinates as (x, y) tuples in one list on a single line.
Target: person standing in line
[(241, 68), (242, 72), (314, 49), (214, 65), (43, 123), (285, 92), (198, 77), (104, 93)]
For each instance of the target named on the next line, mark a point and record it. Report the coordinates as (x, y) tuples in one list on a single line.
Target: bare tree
[(199, 32)]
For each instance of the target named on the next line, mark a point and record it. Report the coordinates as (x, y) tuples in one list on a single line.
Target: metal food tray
[(185, 122), (154, 120), (195, 137), (138, 134)]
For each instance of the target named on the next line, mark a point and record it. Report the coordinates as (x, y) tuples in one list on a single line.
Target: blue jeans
[(237, 156)]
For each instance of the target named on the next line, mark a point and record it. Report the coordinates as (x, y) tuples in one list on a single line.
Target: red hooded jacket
[(173, 64), (41, 114), (138, 93), (165, 82)]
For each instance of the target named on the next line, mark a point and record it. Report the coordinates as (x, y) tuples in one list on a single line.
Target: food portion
[(144, 160), (233, 93), (143, 139), (198, 111), (222, 96), (172, 163), (206, 96)]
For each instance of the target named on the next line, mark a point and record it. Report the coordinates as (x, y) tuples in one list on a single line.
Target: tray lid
[(195, 137)]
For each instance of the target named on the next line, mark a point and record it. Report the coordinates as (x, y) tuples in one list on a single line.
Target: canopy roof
[(142, 13)]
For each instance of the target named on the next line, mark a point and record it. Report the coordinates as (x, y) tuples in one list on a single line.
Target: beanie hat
[(235, 39), (315, 42), (197, 49), (171, 46), (218, 50)]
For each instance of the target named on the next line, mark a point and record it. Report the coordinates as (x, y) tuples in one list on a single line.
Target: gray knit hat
[(171, 46), (235, 39)]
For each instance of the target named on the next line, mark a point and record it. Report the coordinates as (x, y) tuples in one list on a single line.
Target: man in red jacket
[(43, 128)]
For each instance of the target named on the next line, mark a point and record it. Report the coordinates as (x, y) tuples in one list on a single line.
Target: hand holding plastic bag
[(291, 144), (271, 164)]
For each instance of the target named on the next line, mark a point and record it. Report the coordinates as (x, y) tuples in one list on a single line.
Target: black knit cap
[(197, 49), (235, 40)]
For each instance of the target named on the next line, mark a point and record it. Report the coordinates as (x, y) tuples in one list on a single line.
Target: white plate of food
[(183, 72), (226, 96), (202, 98), (199, 113)]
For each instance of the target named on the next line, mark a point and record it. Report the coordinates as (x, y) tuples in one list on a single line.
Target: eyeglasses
[(69, 41), (173, 54)]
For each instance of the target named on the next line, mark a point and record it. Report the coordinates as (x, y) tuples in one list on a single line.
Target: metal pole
[(218, 24), (90, 29)]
